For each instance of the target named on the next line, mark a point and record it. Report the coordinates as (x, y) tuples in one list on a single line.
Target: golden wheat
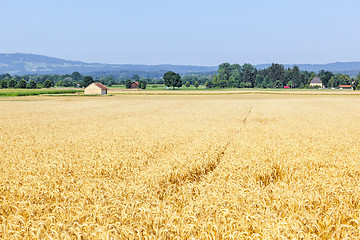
[(180, 167)]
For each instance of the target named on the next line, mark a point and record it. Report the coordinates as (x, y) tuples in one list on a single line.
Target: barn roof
[(316, 80), (101, 86)]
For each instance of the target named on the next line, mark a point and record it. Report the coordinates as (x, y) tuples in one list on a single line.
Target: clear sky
[(187, 32)]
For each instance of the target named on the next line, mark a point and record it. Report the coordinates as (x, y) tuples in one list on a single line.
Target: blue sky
[(183, 32)]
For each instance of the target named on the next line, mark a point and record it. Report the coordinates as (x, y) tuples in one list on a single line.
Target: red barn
[(135, 85)]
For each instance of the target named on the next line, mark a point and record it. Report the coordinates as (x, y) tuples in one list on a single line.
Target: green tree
[(224, 72), (135, 78), (258, 80), (311, 77), (215, 80), (248, 75), (290, 84), (4, 84), (185, 79), (332, 81), (222, 83), (142, 84), (209, 85), (325, 77), (355, 84), (278, 84), (296, 78), (276, 75), (87, 81), (196, 84), (67, 82), (47, 83), (110, 80), (235, 77), (266, 82), (76, 76), (357, 81), (235, 67), (11, 83), (128, 84), (193, 78), (231, 82), (22, 83), (32, 84), (172, 79), (187, 84), (344, 79)]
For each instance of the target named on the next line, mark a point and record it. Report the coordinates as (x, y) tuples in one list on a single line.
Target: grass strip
[(18, 93)]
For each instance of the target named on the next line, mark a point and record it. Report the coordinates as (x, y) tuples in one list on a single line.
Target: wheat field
[(251, 166)]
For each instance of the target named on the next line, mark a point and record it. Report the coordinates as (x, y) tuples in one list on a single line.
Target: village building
[(96, 88), (316, 82), (344, 86), (135, 85)]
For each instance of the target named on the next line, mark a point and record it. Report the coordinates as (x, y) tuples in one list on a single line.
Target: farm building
[(344, 86), (96, 88), (135, 85), (316, 82)]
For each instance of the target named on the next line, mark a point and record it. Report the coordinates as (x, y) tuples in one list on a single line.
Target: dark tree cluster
[(172, 79), (227, 75), (142, 84), (192, 78), (275, 76)]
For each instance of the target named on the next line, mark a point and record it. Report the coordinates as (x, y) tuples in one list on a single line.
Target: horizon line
[(159, 64)]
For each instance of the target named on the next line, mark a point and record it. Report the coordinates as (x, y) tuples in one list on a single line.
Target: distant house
[(135, 85), (96, 88), (316, 82)]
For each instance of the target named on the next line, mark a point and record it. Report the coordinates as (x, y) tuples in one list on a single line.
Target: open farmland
[(161, 167)]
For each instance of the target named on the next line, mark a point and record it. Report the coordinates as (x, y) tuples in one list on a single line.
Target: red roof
[(349, 86), (101, 86), (135, 85)]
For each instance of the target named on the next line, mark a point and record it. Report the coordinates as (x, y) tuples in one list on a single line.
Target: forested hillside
[(20, 64)]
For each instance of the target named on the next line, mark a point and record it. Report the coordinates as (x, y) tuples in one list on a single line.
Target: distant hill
[(21, 63)]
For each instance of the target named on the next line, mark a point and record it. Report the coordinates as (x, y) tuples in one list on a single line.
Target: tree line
[(275, 76), (78, 80), (41, 81), (227, 75), (53, 80)]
